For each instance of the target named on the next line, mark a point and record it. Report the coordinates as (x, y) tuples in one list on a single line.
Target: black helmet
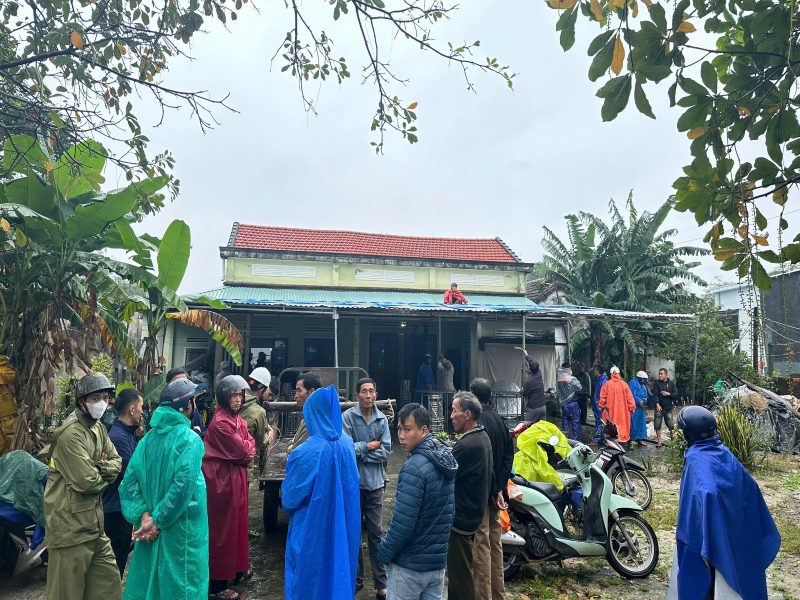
[(227, 386), (177, 394), (697, 423), (91, 383)]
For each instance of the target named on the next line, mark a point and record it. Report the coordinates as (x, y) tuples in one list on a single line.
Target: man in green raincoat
[(83, 462), (164, 495)]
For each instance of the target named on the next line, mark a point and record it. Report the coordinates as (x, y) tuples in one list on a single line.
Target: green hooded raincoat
[(165, 477)]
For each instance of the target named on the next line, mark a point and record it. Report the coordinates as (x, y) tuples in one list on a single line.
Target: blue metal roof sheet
[(366, 299)]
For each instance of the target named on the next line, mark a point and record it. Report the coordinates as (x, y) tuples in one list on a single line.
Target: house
[(306, 298), (736, 303), (781, 323)]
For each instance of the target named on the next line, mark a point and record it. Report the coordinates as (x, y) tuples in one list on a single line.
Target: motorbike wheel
[(637, 562), (512, 563), (640, 491)]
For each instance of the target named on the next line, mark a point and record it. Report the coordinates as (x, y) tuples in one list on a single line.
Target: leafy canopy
[(741, 88)]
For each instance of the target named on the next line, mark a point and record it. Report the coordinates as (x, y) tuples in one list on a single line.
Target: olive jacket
[(77, 475)]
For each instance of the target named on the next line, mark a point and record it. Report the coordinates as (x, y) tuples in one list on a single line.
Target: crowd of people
[(179, 495)]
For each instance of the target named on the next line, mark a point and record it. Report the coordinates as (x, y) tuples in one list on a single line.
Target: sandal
[(244, 576), (659, 445), (227, 594)]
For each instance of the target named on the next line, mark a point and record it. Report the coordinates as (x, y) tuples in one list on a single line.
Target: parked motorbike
[(627, 475), (22, 542), (584, 519)]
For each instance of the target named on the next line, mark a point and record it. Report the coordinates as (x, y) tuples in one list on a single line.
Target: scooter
[(22, 542), (627, 475), (584, 519)]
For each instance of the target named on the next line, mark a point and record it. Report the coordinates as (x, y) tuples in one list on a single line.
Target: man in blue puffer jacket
[(415, 547)]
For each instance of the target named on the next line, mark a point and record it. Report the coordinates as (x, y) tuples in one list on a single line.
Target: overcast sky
[(496, 163)]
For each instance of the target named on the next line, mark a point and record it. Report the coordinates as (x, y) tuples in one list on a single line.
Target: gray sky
[(496, 163)]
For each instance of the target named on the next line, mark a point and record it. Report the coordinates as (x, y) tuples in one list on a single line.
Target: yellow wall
[(239, 271)]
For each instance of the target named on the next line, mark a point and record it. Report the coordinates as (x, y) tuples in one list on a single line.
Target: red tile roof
[(259, 237)]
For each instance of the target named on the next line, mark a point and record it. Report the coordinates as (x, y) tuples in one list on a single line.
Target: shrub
[(740, 435)]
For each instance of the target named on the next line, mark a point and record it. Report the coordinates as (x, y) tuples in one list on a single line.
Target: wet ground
[(577, 578)]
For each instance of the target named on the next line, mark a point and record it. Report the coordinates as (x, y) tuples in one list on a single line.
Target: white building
[(736, 303)]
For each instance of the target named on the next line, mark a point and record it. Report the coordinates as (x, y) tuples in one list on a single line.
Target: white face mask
[(97, 409)]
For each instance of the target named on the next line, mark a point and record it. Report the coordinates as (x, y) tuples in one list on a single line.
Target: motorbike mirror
[(553, 440)]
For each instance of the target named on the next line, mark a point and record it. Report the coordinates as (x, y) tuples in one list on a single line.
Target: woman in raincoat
[(617, 400), (163, 494), (638, 387), (229, 451), (320, 494)]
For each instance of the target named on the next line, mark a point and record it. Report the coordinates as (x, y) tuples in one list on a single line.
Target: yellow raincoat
[(531, 459)]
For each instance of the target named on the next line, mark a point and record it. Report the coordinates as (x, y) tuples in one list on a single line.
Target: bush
[(740, 435), (674, 451)]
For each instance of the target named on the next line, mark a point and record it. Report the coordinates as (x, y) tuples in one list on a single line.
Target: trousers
[(460, 582), (571, 420), (371, 519), (487, 558), (86, 571)]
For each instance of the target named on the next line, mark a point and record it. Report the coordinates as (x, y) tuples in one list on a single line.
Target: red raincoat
[(229, 450), (616, 396)]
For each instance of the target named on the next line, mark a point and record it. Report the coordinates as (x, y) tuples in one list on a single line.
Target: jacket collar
[(129, 428), (376, 413)]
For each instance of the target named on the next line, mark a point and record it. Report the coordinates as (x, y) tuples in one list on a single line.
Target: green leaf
[(30, 191), (673, 89), (640, 99), (212, 302), (566, 24), (602, 61), (709, 76), (615, 94), (125, 385), (761, 278), (22, 151), (71, 170), (173, 254), (91, 219), (694, 117), (152, 389), (658, 15), (600, 41)]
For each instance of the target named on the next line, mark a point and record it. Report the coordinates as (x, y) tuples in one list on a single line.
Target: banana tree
[(53, 293)]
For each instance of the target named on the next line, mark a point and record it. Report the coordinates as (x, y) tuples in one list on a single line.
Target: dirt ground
[(581, 579)]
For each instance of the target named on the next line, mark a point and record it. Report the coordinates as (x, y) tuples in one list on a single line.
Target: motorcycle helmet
[(696, 423), (177, 394), (260, 377), (91, 383), (227, 386)]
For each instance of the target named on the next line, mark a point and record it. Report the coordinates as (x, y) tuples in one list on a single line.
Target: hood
[(165, 418), (439, 454), (533, 364), (323, 414), (249, 400), (616, 377)]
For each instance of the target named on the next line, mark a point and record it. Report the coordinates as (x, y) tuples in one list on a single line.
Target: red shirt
[(454, 297)]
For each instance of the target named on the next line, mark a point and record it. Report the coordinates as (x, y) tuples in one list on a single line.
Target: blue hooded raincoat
[(639, 418), (321, 496), (723, 521)]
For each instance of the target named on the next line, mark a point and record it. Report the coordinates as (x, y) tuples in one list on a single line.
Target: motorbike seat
[(548, 489)]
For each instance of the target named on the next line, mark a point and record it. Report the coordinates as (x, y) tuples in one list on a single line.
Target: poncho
[(639, 418), (164, 477), (616, 397), (320, 495), (531, 460), (229, 450), (723, 521), (21, 483)]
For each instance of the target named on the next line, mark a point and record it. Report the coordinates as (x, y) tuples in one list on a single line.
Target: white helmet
[(260, 376)]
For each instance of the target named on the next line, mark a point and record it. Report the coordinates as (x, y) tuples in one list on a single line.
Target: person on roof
[(640, 393), (617, 400), (321, 496), (453, 296), (725, 537), (164, 494), (229, 451)]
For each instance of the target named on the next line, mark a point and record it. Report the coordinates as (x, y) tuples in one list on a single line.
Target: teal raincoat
[(165, 477)]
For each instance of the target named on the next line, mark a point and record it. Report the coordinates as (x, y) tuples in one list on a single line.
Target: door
[(383, 363)]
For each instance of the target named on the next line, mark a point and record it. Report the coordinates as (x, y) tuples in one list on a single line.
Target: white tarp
[(503, 362)]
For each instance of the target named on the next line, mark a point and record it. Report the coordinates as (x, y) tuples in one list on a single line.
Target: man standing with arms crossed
[(369, 429)]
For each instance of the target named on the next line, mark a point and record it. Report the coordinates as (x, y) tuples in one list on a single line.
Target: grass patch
[(790, 536), (793, 482), (539, 588), (662, 514)]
